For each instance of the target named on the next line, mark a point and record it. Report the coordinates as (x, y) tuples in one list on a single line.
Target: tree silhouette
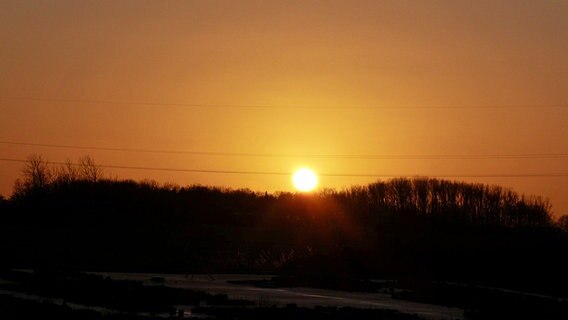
[(89, 170), (391, 228), (562, 223), (67, 173), (36, 176)]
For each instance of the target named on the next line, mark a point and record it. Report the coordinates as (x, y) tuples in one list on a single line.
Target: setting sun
[(305, 180)]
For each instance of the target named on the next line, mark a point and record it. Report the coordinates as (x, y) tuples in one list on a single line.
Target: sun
[(305, 180)]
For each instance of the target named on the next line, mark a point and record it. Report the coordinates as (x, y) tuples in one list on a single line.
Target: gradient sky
[(328, 77)]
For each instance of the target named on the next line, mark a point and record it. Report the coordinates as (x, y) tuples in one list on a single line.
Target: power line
[(281, 173), (268, 106), (160, 169), (326, 156)]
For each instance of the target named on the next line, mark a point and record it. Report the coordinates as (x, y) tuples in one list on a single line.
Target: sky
[(357, 90)]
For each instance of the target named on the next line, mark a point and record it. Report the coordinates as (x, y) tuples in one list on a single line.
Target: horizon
[(242, 94)]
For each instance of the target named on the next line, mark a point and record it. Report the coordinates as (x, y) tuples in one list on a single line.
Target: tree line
[(450, 201), (75, 215)]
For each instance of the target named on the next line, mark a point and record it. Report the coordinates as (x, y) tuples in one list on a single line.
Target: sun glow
[(305, 180)]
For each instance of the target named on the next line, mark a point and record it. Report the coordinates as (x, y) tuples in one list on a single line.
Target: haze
[(437, 79)]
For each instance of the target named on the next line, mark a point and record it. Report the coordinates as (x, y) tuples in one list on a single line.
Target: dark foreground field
[(37, 295)]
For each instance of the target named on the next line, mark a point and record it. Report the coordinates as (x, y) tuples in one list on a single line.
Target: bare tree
[(66, 173), (89, 170), (36, 173)]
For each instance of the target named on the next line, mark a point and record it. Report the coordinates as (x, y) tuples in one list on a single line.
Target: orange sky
[(322, 72)]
